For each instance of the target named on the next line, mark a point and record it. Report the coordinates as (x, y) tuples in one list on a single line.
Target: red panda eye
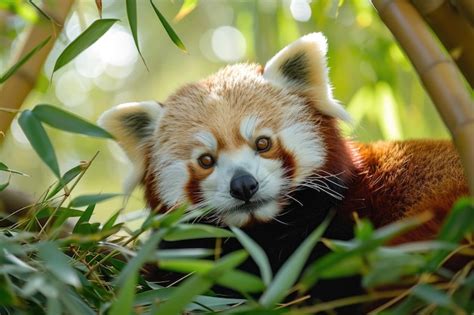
[(206, 161), (263, 144)]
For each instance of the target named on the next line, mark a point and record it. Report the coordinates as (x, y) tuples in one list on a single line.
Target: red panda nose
[(243, 185)]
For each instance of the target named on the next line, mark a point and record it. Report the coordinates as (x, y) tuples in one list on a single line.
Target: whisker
[(281, 222), (294, 199)]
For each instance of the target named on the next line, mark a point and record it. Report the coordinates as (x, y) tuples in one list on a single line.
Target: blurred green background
[(370, 74)]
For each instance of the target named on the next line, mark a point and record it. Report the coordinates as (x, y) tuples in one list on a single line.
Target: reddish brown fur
[(395, 180), (288, 160), (150, 184), (193, 189)]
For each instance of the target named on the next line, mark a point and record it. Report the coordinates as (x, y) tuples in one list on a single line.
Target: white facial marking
[(207, 139), (248, 126), (172, 178), (307, 146)]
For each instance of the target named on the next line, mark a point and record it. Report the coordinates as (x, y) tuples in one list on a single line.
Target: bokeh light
[(228, 44)]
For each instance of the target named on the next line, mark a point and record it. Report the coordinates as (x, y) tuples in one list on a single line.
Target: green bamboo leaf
[(39, 140), (234, 279), (86, 200), (7, 294), (291, 269), (58, 264), (66, 179), (123, 304), (194, 231), (110, 222), (74, 304), (458, 224), (53, 307), (60, 119), (198, 284), (149, 297), (330, 265), (143, 255), (132, 21), (183, 295), (5, 168), (68, 212), (187, 7), (432, 295), (22, 61), (171, 33), (85, 217), (4, 185), (185, 253), (83, 41), (257, 253)]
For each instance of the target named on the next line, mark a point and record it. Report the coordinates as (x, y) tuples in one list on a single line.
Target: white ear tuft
[(301, 68), (132, 125)]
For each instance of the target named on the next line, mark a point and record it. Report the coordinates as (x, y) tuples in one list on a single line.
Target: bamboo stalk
[(438, 73), (453, 30), (466, 7), (15, 90)]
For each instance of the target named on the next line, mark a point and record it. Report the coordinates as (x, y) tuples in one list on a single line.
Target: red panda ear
[(301, 68), (132, 125)]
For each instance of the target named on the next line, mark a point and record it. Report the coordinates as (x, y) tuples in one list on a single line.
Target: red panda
[(260, 147)]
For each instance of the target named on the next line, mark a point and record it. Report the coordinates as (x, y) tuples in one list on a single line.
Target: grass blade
[(83, 41), (23, 60), (257, 253), (39, 140), (291, 269), (171, 33), (60, 119)]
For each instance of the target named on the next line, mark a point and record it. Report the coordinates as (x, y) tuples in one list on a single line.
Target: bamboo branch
[(453, 30), (438, 73), (466, 7), (15, 90)]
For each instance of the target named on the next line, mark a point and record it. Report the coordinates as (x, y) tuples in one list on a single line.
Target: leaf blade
[(59, 119), (86, 200), (289, 272), (257, 253), (131, 6), (23, 60), (83, 41), (39, 140), (58, 264), (169, 30)]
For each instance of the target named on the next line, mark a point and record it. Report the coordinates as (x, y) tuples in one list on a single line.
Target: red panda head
[(238, 142)]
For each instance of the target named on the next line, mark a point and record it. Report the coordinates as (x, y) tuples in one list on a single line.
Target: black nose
[(243, 186)]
